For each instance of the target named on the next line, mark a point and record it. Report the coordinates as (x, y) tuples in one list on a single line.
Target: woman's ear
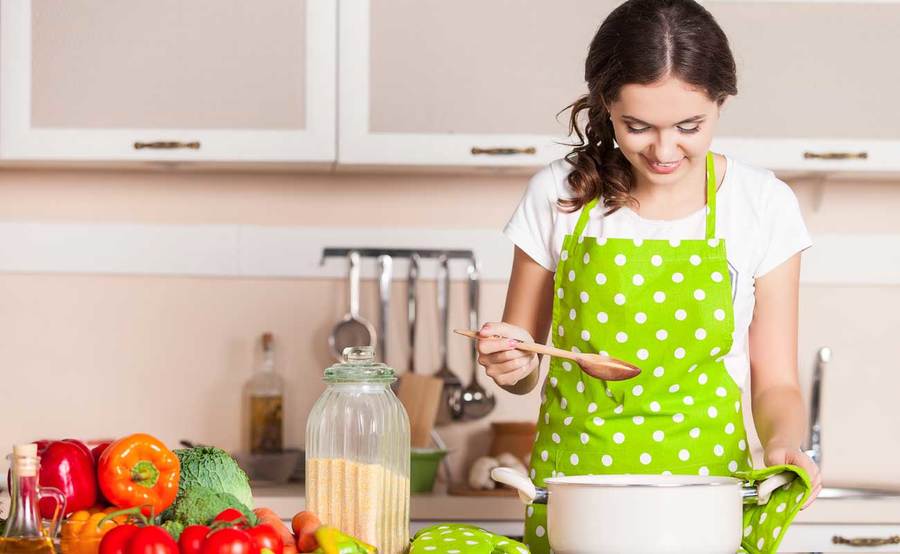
[(722, 103)]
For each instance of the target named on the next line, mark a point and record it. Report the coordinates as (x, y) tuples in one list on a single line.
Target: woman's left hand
[(779, 455)]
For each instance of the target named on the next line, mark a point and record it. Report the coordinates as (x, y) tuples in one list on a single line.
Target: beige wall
[(99, 355)]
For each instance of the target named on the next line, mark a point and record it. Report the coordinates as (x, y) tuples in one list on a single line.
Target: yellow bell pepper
[(332, 541), (83, 530)]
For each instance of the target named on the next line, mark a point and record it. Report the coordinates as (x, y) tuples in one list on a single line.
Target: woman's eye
[(689, 130), (636, 129)]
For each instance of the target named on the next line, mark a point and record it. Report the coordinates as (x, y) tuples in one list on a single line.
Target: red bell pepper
[(68, 466), (96, 452), (81, 446)]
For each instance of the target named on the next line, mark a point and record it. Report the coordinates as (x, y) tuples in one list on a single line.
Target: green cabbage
[(215, 469)]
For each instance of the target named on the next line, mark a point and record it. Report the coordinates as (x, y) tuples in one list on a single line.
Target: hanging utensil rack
[(342, 252)]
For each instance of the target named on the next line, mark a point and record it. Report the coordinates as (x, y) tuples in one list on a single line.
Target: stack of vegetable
[(311, 536), (136, 471), (135, 496), (231, 532), (138, 493)]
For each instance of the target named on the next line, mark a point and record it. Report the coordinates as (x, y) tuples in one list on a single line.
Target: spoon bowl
[(606, 368)]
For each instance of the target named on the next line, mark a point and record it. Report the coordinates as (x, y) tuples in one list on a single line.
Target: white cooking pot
[(643, 514)]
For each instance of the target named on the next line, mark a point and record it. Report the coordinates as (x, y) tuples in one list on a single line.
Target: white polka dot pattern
[(665, 306)]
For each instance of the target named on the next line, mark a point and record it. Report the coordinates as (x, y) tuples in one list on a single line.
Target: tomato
[(116, 539), (265, 536), (192, 539), (152, 540), (268, 517), (229, 540), (231, 515)]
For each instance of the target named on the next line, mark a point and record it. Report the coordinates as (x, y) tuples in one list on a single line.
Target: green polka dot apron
[(666, 306)]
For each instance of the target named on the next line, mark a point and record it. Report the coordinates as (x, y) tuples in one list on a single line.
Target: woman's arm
[(529, 305), (528, 311), (777, 403), (529, 298)]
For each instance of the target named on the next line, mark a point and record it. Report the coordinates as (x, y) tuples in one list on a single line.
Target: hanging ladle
[(595, 365), (450, 407), (352, 330), (475, 401)]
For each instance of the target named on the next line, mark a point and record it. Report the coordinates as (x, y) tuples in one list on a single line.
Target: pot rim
[(642, 481)]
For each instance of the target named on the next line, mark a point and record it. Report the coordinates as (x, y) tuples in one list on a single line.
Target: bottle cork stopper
[(25, 461)]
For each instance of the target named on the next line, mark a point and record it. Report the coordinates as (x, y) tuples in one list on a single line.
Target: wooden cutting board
[(421, 396)]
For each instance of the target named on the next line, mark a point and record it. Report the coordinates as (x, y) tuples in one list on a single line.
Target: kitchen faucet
[(814, 442)]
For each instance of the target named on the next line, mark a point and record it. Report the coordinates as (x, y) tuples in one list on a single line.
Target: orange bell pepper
[(138, 470)]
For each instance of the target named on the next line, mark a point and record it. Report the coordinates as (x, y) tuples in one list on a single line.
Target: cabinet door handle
[(167, 145), (835, 155), (895, 539), (476, 150)]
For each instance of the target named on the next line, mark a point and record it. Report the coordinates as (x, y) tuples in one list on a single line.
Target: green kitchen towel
[(766, 524), (458, 538)]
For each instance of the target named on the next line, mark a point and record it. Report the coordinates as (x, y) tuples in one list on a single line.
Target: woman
[(644, 245)]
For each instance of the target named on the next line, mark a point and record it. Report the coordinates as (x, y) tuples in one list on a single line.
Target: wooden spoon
[(595, 365)]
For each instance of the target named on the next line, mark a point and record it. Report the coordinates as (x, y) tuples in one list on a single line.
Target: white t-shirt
[(757, 215)]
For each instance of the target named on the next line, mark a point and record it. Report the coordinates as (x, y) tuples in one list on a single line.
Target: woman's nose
[(666, 147)]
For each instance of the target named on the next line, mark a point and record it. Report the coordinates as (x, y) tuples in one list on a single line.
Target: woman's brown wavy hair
[(640, 42)]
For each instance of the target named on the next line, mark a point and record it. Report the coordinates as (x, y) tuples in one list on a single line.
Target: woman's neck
[(674, 200)]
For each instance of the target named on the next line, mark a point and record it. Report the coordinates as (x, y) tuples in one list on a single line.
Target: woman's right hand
[(503, 363)]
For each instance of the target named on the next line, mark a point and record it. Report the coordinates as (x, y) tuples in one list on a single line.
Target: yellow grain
[(367, 501)]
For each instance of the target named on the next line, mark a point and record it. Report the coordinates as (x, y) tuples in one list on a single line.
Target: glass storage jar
[(357, 453)]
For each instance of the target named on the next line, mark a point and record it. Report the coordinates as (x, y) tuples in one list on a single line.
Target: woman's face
[(664, 129)]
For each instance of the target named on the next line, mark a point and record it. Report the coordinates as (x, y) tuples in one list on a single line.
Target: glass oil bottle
[(24, 532), (266, 391)]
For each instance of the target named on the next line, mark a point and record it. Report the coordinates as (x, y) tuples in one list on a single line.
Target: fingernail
[(512, 342)]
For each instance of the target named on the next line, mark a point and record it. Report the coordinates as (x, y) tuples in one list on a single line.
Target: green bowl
[(423, 467)]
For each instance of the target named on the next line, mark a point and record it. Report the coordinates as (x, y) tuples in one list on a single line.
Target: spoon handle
[(526, 346)]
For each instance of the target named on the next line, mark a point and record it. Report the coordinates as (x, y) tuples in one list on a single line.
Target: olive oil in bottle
[(24, 532), (26, 546), (266, 391)]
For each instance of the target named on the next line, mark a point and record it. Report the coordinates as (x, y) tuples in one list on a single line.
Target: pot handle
[(761, 493), (528, 493)]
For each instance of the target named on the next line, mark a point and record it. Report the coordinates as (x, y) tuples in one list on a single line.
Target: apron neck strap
[(710, 196), (710, 203), (584, 218)]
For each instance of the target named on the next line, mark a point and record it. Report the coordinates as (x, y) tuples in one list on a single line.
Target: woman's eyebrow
[(694, 119)]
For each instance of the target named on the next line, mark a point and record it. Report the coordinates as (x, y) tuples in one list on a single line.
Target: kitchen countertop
[(288, 499)]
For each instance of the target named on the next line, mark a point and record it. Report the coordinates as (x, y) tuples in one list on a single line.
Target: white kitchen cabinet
[(813, 91), (818, 537), (464, 83), (168, 80), (420, 83), (427, 82)]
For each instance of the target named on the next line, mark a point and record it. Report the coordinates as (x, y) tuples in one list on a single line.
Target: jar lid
[(359, 365)]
